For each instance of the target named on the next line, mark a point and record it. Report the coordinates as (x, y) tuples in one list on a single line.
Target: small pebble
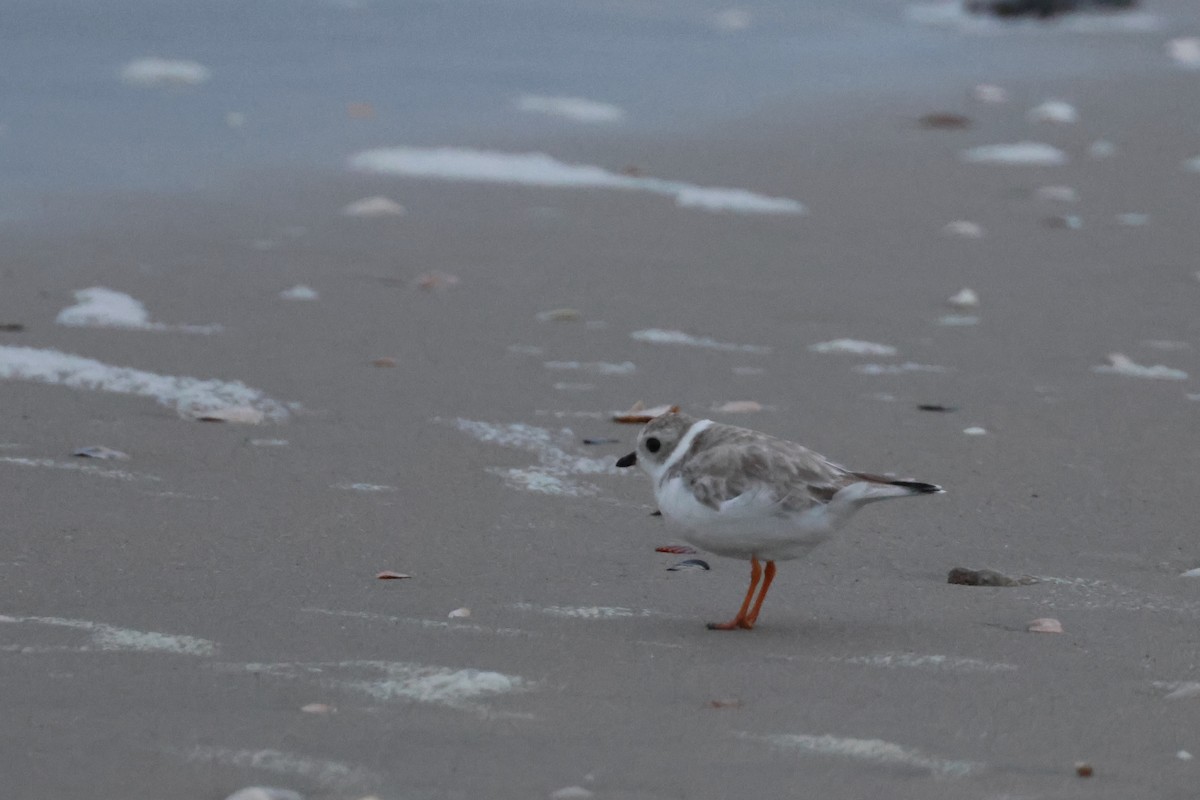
[(945, 121), (560, 315), (936, 407), (386, 362), (961, 576), (1083, 769), (1045, 625)]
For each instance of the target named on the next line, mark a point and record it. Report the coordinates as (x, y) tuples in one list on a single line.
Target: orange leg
[(740, 620), (767, 578)]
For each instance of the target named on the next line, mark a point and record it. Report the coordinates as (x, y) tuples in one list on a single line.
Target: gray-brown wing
[(771, 471)]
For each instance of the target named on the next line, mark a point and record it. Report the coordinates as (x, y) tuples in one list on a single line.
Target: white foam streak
[(74, 466), (937, 663), (660, 336), (556, 465), (1026, 153), (576, 109), (598, 367), (319, 770), (149, 73), (855, 347), (876, 751), (1123, 365), (98, 307), (188, 396), (539, 169), (395, 680), (897, 369), (585, 612), (114, 639)]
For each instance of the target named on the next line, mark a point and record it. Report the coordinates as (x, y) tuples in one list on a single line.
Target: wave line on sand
[(539, 169), (876, 751), (188, 396)]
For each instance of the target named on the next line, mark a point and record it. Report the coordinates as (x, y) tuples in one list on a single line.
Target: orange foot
[(732, 625)]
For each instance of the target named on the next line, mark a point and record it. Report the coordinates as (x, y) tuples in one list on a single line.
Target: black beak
[(627, 461)]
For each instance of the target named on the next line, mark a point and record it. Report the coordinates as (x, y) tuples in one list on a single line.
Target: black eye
[(653, 444)]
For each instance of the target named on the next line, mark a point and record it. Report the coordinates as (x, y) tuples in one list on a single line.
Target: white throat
[(658, 470)]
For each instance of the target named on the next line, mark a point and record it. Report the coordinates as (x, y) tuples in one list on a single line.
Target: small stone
[(936, 407), (560, 315), (385, 362), (961, 576), (945, 121), (1044, 625), (1083, 769)]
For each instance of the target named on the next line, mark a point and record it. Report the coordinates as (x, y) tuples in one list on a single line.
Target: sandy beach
[(204, 615)]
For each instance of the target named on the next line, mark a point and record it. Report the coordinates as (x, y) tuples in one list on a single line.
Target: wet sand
[(583, 661)]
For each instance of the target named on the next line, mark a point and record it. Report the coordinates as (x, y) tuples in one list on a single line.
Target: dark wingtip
[(627, 461), (920, 488)]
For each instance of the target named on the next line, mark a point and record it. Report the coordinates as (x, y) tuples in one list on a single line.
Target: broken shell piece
[(1055, 111), (384, 362), (963, 229), (975, 430), (1069, 222), (560, 315), (437, 280), (318, 708), (961, 576), (265, 793), (965, 298), (1084, 769), (689, 565), (377, 206), (638, 414), (677, 549), (945, 120), (739, 407), (101, 452), (247, 415), (1044, 625), (1191, 573), (388, 575), (725, 703), (1184, 755), (459, 613)]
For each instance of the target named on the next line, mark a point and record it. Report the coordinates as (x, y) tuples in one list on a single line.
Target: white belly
[(744, 530)]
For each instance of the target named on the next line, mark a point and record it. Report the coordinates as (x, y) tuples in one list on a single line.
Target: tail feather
[(916, 487)]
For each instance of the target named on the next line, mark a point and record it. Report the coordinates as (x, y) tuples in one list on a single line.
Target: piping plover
[(743, 494)]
